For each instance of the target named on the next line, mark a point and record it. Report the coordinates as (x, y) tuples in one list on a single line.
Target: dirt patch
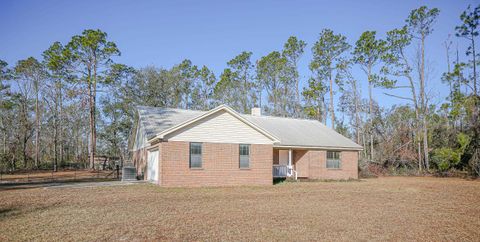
[(392, 208)]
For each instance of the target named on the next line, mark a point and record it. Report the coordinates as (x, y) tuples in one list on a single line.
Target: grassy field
[(396, 208), (59, 176)]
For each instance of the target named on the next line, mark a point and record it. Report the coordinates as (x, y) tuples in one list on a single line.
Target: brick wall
[(301, 163), (312, 164), (220, 165)]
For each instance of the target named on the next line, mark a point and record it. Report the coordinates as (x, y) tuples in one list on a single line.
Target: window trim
[(190, 156), (240, 156), (339, 160)]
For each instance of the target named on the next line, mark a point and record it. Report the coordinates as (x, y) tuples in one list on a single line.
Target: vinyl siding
[(220, 128), (140, 137)]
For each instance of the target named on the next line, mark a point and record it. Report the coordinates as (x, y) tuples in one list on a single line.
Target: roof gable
[(220, 127), (189, 124)]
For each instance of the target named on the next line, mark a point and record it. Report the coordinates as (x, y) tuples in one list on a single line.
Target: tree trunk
[(357, 117), (425, 142), (275, 109), (91, 87), (37, 129), (297, 91), (324, 107), (370, 112), (285, 101), (474, 68), (447, 50), (24, 137), (60, 123), (364, 145), (418, 124), (260, 98), (245, 89), (424, 104), (55, 140), (24, 151), (332, 110), (4, 141)]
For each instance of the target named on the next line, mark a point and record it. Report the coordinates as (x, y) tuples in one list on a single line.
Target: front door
[(283, 157)]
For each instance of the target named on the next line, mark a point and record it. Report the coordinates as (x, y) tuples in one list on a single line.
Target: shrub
[(446, 158)]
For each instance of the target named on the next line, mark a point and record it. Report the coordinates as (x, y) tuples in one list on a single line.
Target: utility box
[(129, 173)]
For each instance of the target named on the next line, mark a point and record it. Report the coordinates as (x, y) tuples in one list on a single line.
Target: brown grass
[(395, 208), (59, 176)]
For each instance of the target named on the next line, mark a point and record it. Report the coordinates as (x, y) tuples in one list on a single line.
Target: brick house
[(176, 147)]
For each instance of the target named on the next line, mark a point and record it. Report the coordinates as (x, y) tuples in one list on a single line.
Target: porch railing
[(279, 171)]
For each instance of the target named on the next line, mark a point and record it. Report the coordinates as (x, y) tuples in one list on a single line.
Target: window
[(333, 159), (244, 156), (195, 155)]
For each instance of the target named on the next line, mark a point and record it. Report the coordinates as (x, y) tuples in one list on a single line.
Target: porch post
[(289, 167)]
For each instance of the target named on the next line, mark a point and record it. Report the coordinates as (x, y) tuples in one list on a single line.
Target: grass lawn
[(395, 208), (59, 176)]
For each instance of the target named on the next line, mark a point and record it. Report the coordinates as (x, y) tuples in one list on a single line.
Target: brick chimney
[(256, 112)]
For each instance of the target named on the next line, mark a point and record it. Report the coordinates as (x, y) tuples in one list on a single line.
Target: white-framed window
[(333, 160), (244, 153), (195, 155)]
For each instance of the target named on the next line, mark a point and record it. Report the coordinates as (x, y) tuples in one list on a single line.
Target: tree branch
[(400, 97)]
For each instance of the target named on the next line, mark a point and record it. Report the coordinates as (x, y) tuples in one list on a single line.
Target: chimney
[(256, 112)]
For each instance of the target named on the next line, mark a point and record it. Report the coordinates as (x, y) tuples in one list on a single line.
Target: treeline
[(54, 110)]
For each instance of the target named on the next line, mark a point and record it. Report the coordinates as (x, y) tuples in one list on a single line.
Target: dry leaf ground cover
[(395, 208), (60, 176)]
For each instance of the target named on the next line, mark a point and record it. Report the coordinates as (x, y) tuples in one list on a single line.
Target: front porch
[(283, 164), (303, 163)]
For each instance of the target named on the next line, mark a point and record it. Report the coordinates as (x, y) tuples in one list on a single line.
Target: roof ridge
[(276, 117), (243, 114), (165, 108)]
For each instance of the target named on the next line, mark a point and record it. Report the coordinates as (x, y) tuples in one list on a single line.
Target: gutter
[(317, 147)]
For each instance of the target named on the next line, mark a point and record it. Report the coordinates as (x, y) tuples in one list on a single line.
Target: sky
[(163, 33)]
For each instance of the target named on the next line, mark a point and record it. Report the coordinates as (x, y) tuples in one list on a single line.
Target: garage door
[(152, 168)]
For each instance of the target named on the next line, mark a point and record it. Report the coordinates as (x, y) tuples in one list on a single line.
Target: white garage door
[(152, 166)]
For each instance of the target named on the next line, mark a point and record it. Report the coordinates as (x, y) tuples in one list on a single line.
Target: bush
[(446, 158)]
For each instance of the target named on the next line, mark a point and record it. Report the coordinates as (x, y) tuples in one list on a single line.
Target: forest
[(77, 100)]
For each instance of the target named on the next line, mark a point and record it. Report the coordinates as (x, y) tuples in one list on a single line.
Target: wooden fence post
[(118, 171)]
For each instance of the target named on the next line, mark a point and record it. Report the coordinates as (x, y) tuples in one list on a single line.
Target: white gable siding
[(220, 128), (140, 138)]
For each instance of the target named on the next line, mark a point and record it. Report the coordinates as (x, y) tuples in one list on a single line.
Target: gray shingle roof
[(155, 120), (290, 132)]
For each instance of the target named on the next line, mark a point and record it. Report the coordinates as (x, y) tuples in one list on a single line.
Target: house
[(176, 147)]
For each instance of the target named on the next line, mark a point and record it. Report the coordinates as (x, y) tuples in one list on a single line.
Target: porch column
[(289, 166)]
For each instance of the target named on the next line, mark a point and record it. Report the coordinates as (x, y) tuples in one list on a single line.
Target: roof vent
[(256, 112)]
